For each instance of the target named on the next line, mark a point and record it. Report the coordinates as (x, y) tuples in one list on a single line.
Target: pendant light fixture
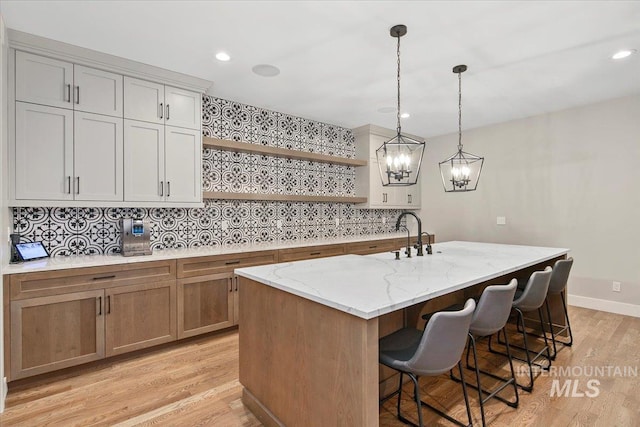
[(399, 159), (461, 171)]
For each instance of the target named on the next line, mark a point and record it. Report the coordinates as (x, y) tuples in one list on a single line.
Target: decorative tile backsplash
[(71, 231)]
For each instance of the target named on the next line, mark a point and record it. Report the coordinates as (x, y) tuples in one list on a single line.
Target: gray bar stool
[(558, 286), (490, 317), (434, 352), (530, 299)]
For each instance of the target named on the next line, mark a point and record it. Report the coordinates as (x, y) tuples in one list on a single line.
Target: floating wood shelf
[(281, 197), (245, 147)]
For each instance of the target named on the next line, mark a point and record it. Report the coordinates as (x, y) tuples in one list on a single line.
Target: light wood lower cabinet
[(206, 304), (56, 332), (140, 316)]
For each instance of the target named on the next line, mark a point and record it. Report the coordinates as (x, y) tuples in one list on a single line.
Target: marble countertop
[(373, 285), (67, 262)]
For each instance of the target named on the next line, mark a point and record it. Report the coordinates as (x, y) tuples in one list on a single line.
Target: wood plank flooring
[(196, 384)]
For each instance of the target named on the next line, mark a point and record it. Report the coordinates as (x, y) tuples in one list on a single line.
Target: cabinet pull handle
[(315, 253), (108, 304), (232, 262), (113, 276), (99, 306), (168, 188), (230, 286), (161, 188), (78, 186), (161, 110), (69, 93), (236, 280), (373, 247), (77, 94), (167, 111), (69, 185)]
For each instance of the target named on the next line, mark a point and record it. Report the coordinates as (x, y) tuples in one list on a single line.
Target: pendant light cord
[(460, 111), (398, 77)]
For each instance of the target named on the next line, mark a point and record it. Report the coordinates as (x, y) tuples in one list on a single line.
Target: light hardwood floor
[(196, 384)]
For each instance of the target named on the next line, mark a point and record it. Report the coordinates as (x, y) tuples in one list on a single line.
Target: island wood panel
[(205, 304), (56, 332), (140, 316), (310, 364), (46, 283)]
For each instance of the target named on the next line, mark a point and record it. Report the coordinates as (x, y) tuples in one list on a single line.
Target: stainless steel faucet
[(419, 242)]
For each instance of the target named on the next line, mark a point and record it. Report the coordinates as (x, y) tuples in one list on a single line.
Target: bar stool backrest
[(443, 341), (493, 309), (560, 275), (535, 292)]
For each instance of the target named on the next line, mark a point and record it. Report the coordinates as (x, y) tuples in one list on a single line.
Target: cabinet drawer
[(29, 285), (191, 267), (295, 254), (372, 247)]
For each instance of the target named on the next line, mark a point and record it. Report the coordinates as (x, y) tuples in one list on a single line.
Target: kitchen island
[(309, 330)]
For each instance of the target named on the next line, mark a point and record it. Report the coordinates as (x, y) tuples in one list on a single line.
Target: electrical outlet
[(225, 225), (337, 222), (616, 287), (501, 220), (384, 220), (279, 223)]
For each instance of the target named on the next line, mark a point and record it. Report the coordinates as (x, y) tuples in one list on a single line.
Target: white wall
[(564, 179)]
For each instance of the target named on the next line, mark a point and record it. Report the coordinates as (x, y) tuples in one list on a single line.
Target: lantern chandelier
[(461, 171), (399, 159)]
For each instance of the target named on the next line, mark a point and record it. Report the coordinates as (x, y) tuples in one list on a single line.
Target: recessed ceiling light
[(623, 53), (222, 56), (405, 115), (266, 70)]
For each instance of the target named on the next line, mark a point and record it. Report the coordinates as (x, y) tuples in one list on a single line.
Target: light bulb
[(466, 172)]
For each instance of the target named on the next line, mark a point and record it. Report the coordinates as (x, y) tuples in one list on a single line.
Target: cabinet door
[(143, 162), (56, 332), (205, 304), (413, 197), (143, 100), (43, 80), (97, 157), (182, 108), (140, 316), (44, 152), (97, 91), (183, 155)]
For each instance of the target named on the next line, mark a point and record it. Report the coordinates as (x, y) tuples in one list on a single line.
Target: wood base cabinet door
[(56, 332), (205, 304), (140, 316)]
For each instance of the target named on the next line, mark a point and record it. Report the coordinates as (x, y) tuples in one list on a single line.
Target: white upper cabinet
[(98, 157), (97, 91), (143, 100), (143, 162), (182, 108), (44, 152), (47, 81), (182, 165), (43, 80), (368, 180), (157, 103)]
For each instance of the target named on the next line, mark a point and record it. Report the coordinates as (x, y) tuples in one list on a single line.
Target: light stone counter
[(373, 285), (67, 262)]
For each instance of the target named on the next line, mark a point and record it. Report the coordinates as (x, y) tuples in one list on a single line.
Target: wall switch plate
[(225, 225), (501, 220), (616, 287), (279, 223)]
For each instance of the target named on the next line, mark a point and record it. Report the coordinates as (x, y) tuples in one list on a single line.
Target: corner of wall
[(3, 193)]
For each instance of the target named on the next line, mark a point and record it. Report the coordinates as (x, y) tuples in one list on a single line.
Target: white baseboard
[(3, 393), (604, 305)]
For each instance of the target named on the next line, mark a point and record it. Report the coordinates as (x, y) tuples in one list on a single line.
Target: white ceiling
[(337, 59)]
